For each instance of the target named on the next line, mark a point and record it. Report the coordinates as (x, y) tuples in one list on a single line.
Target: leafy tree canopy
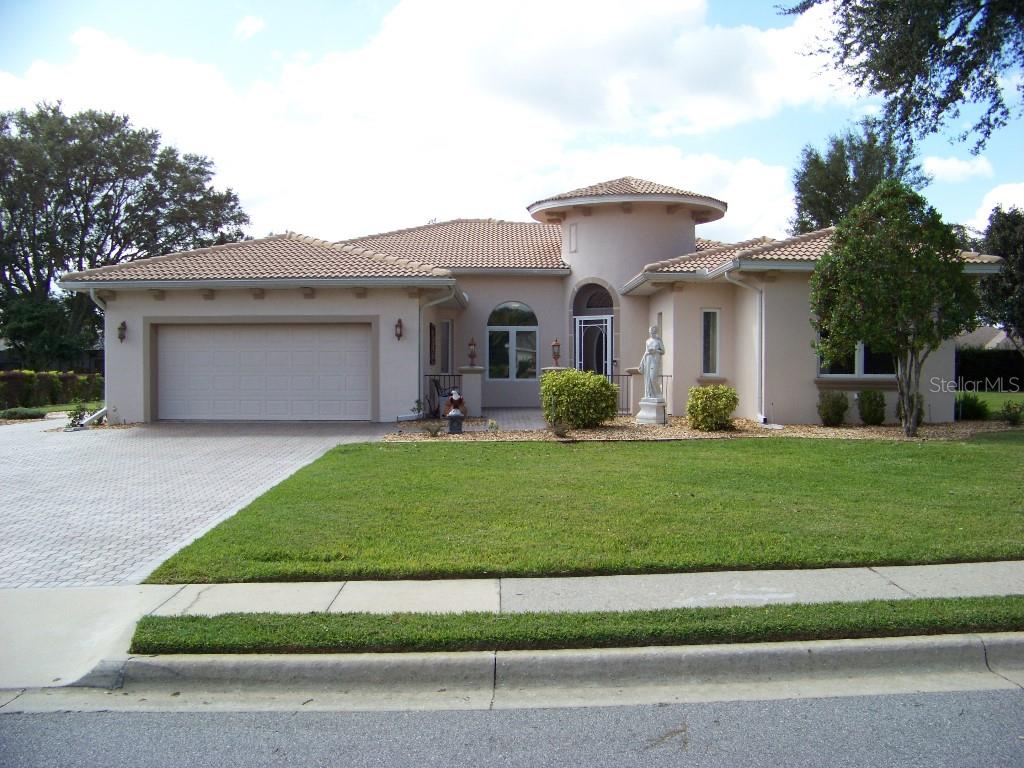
[(930, 58), (89, 190), (892, 279), (1002, 295), (829, 185)]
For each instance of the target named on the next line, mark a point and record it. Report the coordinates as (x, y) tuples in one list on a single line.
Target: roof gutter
[(348, 282), (96, 299), (759, 350), (661, 277)]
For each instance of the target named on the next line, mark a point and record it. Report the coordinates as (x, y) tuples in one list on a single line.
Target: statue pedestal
[(652, 411)]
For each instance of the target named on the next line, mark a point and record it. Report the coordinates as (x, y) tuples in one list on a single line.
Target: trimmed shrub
[(710, 408), (871, 407), (27, 389), (970, 407), (22, 413), (832, 407), (1012, 412), (578, 399)]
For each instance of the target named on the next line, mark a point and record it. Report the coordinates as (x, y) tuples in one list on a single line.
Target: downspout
[(102, 412), (760, 348), (450, 294)]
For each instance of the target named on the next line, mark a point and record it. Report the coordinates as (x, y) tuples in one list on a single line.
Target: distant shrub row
[(28, 389)]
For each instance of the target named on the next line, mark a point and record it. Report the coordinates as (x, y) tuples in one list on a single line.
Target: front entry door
[(594, 344)]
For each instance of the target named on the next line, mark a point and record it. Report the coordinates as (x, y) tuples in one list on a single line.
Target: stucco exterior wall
[(130, 367), (792, 382), (545, 296), (745, 344), (616, 245), (689, 301)]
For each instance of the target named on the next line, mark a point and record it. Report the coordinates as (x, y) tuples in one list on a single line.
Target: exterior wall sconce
[(398, 329), (122, 331), (556, 351), (472, 352)]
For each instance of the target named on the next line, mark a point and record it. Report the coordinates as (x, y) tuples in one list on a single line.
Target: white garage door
[(263, 372)]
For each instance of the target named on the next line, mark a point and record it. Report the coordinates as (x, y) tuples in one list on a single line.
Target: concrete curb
[(952, 656)]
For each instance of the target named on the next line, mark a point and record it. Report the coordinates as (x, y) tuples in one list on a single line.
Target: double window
[(863, 362), (512, 342)]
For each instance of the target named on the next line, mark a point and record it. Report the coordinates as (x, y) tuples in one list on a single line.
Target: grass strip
[(391, 633)]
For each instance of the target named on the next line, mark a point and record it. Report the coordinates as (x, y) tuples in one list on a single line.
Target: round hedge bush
[(578, 399), (709, 409), (871, 407), (832, 407)]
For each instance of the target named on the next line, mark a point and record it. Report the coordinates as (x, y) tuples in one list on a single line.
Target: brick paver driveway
[(107, 506)]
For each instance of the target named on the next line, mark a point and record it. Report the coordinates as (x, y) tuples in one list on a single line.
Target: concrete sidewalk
[(52, 637)]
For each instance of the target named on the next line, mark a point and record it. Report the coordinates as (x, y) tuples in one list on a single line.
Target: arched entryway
[(593, 317)]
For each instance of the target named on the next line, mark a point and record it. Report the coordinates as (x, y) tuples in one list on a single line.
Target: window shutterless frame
[(710, 334), (510, 346), (862, 360)]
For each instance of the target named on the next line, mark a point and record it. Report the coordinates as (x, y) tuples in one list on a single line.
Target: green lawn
[(363, 632), (995, 400), (89, 406), (435, 510)]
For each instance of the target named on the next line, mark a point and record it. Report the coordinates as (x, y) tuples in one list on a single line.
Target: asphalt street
[(933, 730)]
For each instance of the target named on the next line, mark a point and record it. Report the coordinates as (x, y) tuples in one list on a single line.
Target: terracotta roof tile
[(708, 257), (288, 256), (474, 244), (627, 185), (807, 247)]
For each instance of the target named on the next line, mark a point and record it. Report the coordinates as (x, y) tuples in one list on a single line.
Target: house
[(291, 327)]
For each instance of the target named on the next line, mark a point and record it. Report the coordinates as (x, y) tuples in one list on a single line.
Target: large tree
[(1002, 295), (930, 58), (892, 279), (89, 190), (828, 185)]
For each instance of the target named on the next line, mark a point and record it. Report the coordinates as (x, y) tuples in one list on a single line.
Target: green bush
[(22, 413), (1012, 412), (578, 399), (970, 407), (27, 389), (871, 407), (709, 409), (832, 407)]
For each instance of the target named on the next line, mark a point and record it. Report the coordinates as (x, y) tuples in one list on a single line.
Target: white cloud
[(1006, 195), (474, 111), (953, 169), (249, 26)]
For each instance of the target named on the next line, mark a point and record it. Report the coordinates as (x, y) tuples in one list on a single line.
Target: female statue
[(650, 365)]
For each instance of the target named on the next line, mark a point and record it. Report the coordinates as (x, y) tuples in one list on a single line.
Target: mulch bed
[(625, 428)]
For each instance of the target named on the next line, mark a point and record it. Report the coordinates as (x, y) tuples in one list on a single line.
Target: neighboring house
[(290, 327), (984, 337)]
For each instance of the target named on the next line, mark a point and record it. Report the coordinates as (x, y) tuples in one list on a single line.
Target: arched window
[(512, 342)]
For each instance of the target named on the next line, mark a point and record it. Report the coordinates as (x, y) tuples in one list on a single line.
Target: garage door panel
[(275, 372)]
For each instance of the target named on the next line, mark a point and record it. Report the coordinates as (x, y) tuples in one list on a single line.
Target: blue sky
[(342, 118)]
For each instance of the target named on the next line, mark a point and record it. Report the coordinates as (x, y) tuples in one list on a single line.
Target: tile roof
[(709, 255), (627, 185), (287, 256), (808, 247), (474, 244)]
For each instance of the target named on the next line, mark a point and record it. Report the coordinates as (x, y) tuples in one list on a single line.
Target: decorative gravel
[(625, 428)]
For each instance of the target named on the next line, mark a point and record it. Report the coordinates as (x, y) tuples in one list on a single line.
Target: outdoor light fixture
[(398, 329), (472, 351), (122, 331), (556, 351)]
